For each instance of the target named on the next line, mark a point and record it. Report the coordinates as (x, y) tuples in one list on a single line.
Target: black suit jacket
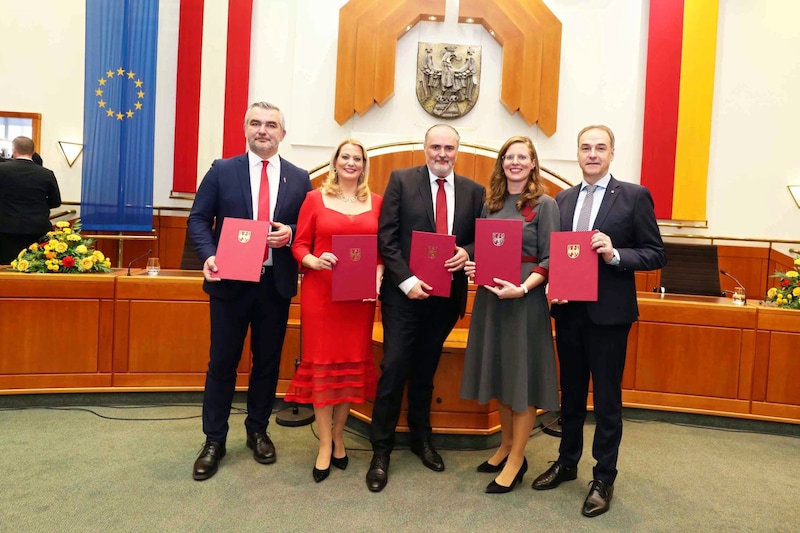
[(627, 216), (27, 193), (407, 207), (225, 192)]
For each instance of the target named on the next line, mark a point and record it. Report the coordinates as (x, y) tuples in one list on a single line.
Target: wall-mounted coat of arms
[(448, 78)]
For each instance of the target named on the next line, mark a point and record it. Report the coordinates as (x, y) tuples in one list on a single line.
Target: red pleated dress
[(337, 365)]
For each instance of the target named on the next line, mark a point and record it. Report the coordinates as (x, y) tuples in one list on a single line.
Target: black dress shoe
[(488, 468), (339, 462), (320, 475), (496, 488), (207, 462), (263, 449), (554, 476), (430, 458), (378, 473), (599, 498)]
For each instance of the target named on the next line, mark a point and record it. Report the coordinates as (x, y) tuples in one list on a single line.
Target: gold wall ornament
[(528, 31), (448, 78)]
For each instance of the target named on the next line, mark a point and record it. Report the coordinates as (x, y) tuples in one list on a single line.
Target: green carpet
[(67, 469)]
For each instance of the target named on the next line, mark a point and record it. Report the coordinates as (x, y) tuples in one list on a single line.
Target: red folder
[(573, 266), (240, 250), (429, 251), (353, 276), (498, 250)]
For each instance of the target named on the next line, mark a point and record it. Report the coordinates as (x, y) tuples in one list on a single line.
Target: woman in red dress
[(337, 367)]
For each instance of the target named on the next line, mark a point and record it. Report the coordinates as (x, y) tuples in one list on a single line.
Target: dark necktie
[(441, 208)]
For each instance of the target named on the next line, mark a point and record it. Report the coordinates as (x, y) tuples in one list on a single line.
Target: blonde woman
[(337, 368)]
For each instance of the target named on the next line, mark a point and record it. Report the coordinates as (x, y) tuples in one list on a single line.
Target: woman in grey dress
[(510, 355)]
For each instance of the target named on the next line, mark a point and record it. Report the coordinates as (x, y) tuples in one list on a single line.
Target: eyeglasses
[(522, 158)]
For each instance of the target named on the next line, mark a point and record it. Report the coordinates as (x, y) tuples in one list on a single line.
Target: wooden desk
[(691, 354), (776, 393), (111, 332), (449, 413), (162, 334), (56, 331)]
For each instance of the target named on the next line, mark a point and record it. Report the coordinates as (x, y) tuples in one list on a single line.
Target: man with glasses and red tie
[(429, 198), (257, 185)]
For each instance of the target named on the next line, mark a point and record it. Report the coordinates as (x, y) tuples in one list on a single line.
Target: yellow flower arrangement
[(787, 293), (62, 250)]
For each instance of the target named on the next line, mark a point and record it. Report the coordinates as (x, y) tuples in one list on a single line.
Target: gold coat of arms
[(355, 254), (573, 250), (433, 252), (244, 236), (448, 78)]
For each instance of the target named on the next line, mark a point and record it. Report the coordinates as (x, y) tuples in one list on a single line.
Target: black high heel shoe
[(320, 475), (487, 468), (496, 488), (339, 462)]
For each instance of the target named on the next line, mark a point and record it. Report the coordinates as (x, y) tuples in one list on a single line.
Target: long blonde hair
[(498, 186), (331, 184)]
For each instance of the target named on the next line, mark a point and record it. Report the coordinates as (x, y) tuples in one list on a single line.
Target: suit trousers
[(413, 335), (267, 313), (584, 349)]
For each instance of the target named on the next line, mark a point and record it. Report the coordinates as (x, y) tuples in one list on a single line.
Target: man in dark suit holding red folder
[(257, 185), (415, 324), (592, 337)]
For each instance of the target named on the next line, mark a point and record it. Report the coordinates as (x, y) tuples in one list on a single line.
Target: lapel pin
[(284, 179)]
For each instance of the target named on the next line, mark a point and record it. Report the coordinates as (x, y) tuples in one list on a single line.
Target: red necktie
[(263, 199), (441, 208)]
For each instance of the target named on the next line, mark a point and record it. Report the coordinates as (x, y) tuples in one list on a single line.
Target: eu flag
[(119, 114)]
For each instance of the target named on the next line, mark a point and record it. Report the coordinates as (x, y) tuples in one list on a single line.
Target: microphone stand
[(150, 251), (744, 291), (293, 415)]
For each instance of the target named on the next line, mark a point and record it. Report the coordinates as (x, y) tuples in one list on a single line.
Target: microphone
[(725, 273), (148, 252)]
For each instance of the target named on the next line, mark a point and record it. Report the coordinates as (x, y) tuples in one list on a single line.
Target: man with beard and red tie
[(428, 198)]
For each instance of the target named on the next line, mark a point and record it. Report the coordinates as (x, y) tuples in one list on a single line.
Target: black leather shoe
[(320, 475), (430, 458), (599, 498), (488, 468), (554, 476), (207, 462), (263, 449), (378, 473), (339, 462), (496, 488)]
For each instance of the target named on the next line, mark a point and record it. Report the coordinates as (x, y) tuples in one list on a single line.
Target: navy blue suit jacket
[(225, 192), (627, 216)]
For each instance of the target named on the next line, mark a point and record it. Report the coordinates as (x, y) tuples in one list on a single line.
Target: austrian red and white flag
[(211, 85)]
